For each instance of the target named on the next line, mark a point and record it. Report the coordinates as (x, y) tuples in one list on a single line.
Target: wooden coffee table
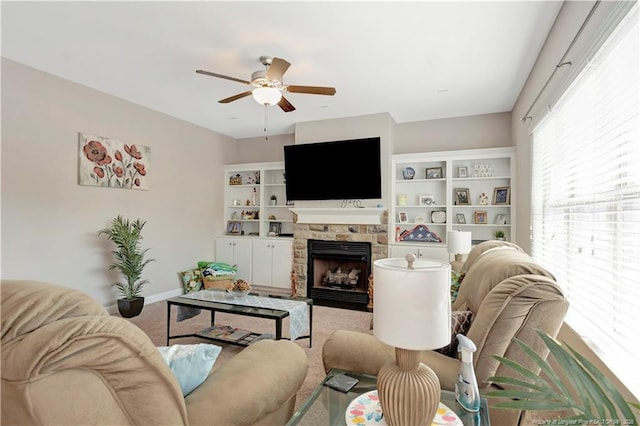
[(251, 311)]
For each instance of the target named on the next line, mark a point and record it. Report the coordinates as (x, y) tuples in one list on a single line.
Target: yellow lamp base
[(409, 391)]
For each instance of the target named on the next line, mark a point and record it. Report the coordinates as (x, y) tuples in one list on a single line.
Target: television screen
[(339, 170)]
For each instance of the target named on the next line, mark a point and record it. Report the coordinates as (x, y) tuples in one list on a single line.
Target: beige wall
[(258, 150), (473, 132), (49, 222)]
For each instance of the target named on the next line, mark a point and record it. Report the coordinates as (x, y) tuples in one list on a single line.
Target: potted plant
[(499, 234), (575, 386), (274, 200), (130, 261)]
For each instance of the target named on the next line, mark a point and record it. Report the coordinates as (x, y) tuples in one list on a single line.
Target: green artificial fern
[(129, 258), (587, 392)]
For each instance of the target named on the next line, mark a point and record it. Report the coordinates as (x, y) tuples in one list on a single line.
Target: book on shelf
[(224, 332)]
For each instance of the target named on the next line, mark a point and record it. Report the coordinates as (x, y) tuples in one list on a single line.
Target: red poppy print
[(99, 172), (140, 168), (133, 151), (95, 151)]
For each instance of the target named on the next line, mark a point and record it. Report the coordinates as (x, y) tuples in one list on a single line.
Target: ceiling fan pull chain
[(266, 121)]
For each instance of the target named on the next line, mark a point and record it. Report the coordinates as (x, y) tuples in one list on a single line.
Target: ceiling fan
[(267, 86)]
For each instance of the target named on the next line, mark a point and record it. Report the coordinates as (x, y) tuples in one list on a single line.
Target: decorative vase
[(408, 173), (130, 308)]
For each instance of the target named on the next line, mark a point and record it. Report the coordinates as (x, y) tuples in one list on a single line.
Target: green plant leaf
[(592, 395), (129, 257), (554, 379), (588, 390), (607, 387), (542, 387)]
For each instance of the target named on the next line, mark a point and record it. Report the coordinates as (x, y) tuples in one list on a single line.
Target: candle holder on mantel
[(412, 313)]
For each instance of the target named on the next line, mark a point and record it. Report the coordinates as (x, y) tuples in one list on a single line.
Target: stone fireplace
[(340, 250)]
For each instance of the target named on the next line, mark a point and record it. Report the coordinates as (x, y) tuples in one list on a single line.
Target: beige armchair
[(510, 296), (66, 361)]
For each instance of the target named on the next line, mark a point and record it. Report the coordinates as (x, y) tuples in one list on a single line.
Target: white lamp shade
[(266, 95), (458, 242), (412, 307)]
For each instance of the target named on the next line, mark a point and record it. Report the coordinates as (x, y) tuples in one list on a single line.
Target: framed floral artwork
[(112, 163)]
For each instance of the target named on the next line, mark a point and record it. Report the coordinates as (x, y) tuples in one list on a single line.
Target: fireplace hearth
[(338, 273)]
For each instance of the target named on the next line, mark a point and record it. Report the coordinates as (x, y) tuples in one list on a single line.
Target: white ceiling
[(414, 60)]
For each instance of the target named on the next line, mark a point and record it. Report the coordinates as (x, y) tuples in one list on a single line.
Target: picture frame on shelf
[(460, 218), (234, 227), (462, 172), (501, 219), (480, 217), (402, 217), (502, 195), (438, 216), (433, 173), (426, 200), (275, 228), (462, 196)]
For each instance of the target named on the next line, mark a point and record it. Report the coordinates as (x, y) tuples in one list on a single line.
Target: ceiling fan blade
[(312, 90), (226, 77), (235, 97), (285, 105), (277, 68)]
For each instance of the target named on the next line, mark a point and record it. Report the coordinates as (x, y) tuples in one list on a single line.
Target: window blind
[(586, 200)]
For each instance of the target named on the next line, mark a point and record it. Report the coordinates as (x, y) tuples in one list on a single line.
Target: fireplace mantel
[(343, 216)]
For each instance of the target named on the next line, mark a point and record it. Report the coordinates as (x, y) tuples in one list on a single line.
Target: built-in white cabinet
[(235, 251), (255, 200), (260, 261), (436, 192), (272, 262)]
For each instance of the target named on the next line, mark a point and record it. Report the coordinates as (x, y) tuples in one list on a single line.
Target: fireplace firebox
[(338, 273)]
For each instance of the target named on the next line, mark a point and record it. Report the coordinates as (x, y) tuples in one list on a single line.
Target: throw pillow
[(460, 323), (191, 364)]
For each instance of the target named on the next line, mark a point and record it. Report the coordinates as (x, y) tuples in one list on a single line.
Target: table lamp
[(458, 243), (412, 312)]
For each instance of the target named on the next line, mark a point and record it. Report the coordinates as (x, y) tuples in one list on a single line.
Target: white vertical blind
[(586, 200)]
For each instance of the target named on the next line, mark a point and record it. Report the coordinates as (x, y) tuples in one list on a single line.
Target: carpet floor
[(153, 321)]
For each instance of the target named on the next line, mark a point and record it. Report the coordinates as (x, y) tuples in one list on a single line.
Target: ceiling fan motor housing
[(259, 79)]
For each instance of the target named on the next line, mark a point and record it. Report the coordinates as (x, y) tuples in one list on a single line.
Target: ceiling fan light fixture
[(267, 95)]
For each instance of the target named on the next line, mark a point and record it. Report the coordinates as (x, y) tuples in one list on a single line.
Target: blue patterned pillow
[(191, 364)]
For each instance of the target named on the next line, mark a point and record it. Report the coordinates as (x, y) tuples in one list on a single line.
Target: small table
[(327, 406), (213, 307)]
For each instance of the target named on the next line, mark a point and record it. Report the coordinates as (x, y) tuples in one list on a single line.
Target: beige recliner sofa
[(65, 361), (510, 296)]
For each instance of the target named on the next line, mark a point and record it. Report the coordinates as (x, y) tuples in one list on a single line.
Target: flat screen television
[(337, 170)]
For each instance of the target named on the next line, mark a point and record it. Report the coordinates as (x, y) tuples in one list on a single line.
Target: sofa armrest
[(364, 353), (119, 366), (29, 305), (251, 385)]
